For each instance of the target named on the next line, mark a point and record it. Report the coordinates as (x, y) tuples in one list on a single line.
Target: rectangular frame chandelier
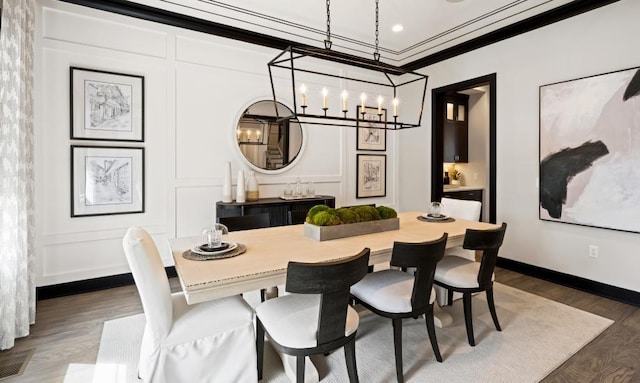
[(337, 89)]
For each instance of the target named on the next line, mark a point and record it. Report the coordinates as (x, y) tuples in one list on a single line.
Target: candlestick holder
[(325, 111), (304, 109), (379, 116), (345, 113)]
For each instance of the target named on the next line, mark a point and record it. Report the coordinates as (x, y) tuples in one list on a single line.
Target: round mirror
[(267, 142)]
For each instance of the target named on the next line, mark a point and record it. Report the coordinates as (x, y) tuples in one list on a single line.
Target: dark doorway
[(437, 136)]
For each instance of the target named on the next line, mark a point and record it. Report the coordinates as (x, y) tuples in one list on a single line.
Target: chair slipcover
[(463, 209), (207, 342)]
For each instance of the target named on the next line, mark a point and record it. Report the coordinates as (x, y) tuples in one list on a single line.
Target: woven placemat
[(208, 257), (424, 219)]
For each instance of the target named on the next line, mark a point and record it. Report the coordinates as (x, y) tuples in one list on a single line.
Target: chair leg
[(431, 330), (449, 297), (300, 369), (397, 343), (492, 308), (350, 356), (260, 346), (468, 320)]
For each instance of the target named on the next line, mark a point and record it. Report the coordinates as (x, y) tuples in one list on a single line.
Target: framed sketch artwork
[(371, 173), (589, 145), (373, 139), (106, 105), (106, 180)]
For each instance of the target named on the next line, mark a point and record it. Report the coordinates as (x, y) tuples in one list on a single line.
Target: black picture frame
[(106, 106), (369, 138), (371, 175), (107, 180)]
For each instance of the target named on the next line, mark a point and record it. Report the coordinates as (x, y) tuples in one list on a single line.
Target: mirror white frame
[(254, 167)]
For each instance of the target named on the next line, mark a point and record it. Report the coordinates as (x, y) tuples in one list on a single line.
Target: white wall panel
[(101, 32)]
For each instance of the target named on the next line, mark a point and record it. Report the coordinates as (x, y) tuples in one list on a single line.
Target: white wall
[(196, 87), (599, 41)]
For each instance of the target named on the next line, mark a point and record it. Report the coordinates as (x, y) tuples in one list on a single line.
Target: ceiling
[(434, 30), (429, 25)]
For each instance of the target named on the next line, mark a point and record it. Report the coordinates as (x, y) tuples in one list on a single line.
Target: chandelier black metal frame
[(295, 60)]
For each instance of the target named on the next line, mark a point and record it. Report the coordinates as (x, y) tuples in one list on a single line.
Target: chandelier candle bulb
[(363, 98), (303, 91), (395, 107), (324, 98), (344, 101), (380, 105)]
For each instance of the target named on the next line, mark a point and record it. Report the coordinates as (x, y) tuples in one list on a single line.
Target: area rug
[(537, 336)]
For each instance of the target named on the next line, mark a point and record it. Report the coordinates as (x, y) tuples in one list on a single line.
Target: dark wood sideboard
[(276, 207)]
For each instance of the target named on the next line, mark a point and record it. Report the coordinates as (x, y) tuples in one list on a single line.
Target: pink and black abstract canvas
[(590, 151)]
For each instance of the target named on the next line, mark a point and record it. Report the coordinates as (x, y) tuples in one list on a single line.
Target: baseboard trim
[(608, 291), (88, 285)]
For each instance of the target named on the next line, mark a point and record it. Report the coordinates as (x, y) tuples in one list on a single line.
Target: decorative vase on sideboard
[(252, 187), (226, 183)]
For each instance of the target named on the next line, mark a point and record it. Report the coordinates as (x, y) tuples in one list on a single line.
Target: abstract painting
[(590, 151), (106, 180), (106, 106), (371, 175)]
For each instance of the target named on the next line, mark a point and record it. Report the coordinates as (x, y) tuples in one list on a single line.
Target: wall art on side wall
[(371, 173), (106, 180), (590, 151), (374, 139), (106, 106)]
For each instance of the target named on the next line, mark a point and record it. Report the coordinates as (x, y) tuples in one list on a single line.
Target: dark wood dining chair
[(458, 274), (246, 222), (397, 294), (296, 217), (316, 317)]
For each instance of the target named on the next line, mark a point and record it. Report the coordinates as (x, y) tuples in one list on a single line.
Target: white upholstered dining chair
[(463, 209), (207, 342)]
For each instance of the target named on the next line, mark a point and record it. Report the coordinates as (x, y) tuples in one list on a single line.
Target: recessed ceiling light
[(397, 28)]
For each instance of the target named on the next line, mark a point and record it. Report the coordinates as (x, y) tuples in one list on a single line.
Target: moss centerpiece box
[(324, 223)]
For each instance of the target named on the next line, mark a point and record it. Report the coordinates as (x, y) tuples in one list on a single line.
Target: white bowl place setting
[(214, 245), (435, 214)]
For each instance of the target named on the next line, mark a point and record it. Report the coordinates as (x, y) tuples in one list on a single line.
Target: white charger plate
[(197, 250), (435, 218)]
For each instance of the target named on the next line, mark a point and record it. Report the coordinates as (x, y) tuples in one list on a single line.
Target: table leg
[(310, 371), (441, 318)]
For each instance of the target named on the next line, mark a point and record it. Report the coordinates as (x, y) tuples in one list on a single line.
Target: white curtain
[(17, 274)]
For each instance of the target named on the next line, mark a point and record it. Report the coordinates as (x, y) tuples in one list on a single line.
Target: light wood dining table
[(264, 264)]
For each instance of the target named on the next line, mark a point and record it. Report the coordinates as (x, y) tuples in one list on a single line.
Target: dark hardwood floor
[(68, 330)]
